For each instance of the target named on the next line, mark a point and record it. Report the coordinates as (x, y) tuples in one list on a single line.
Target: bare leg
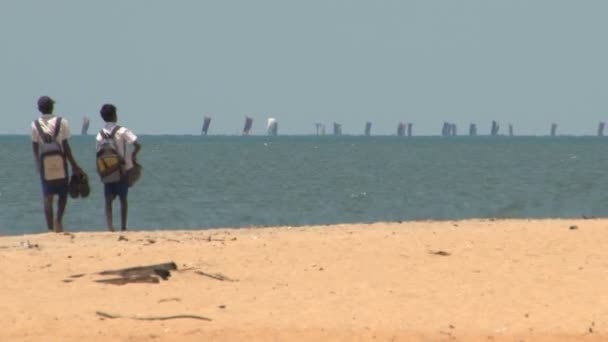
[(48, 211), (61, 204), (124, 209), (109, 223)]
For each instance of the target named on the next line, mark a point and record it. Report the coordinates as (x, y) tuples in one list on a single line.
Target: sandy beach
[(476, 280)]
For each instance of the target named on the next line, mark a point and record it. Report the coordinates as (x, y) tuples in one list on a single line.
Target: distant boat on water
[(206, 123), (472, 129), (401, 129), (248, 125), (272, 126), (553, 129), (320, 128), (448, 129), (368, 129), (337, 129), (495, 128), (85, 126)]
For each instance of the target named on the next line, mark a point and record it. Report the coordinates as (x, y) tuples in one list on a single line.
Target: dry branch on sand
[(139, 274), (152, 318)]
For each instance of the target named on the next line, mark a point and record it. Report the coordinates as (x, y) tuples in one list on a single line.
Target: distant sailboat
[(248, 125), (448, 129), (495, 128), (272, 126), (206, 123), (401, 129), (368, 129), (85, 125), (320, 128), (337, 129), (472, 129), (553, 129), (600, 129)]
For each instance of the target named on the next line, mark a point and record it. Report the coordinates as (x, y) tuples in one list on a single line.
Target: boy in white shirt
[(122, 137), (51, 130)]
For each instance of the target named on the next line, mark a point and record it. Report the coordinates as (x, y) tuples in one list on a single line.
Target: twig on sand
[(217, 276), (441, 253), (169, 300), (152, 318), (210, 239)]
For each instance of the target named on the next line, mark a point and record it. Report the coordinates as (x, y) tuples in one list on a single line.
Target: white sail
[(272, 126)]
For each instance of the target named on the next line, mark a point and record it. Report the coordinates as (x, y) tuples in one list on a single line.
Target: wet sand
[(476, 280)]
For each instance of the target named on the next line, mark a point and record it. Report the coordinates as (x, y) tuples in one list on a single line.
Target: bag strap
[(57, 127), (112, 133), (124, 145), (43, 135), (47, 138), (114, 130)]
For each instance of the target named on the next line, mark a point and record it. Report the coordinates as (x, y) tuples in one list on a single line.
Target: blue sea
[(198, 182)]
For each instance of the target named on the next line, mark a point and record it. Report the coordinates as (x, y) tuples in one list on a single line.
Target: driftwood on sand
[(146, 274), (152, 318), (168, 266), (139, 274)]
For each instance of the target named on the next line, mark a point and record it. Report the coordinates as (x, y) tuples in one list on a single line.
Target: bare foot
[(111, 229)]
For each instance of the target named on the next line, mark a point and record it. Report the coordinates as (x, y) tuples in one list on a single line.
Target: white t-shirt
[(124, 137), (47, 123)]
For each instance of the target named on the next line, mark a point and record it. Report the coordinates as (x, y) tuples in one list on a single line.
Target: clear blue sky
[(166, 64)]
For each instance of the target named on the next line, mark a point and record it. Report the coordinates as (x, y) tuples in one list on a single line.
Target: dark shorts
[(120, 188), (59, 187)]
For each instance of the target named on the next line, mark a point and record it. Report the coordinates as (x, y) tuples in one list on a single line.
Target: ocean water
[(193, 182)]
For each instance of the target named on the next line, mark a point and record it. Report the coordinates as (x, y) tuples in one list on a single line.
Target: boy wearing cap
[(51, 128), (122, 137)]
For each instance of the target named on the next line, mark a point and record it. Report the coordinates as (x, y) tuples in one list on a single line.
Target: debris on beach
[(148, 274), (164, 300), (151, 318), (149, 242), (217, 276), (210, 238), (27, 244), (573, 227), (440, 252), (139, 274)]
